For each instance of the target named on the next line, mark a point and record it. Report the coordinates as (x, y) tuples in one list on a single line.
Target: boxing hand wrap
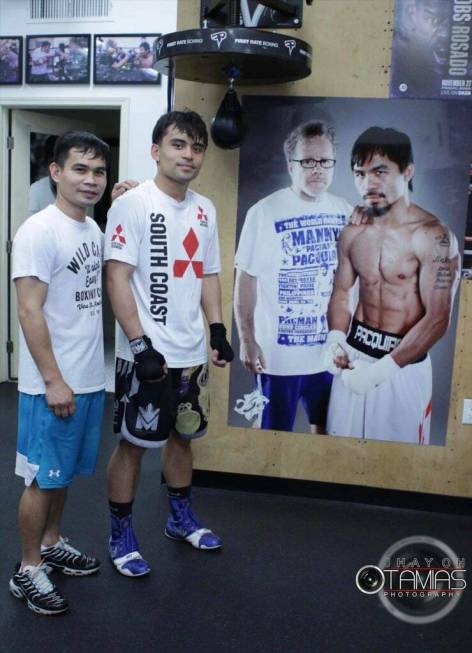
[(334, 341), (149, 362), (218, 341), (365, 376)]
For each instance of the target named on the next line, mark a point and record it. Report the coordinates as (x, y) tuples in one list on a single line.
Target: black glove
[(218, 341), (149, 362)]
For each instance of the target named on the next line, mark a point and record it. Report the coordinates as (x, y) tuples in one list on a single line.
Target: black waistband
[(374, 342)]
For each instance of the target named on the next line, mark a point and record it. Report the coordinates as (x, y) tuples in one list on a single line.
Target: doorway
[(32, 132)]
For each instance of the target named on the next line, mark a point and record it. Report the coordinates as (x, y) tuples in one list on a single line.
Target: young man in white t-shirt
[(57, 262), (161, 248), (286, 259)]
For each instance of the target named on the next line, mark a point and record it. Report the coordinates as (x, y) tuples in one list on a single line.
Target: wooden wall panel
[(351, 42)]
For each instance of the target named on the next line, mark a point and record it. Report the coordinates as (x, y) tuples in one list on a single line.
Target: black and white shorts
[(145, 413)]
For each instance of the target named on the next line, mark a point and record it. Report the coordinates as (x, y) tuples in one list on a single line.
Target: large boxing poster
[(349, 329), (431, 49)]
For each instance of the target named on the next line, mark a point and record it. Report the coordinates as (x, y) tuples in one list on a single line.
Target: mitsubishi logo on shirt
[(190, 244), (118, 239), (202, 217)]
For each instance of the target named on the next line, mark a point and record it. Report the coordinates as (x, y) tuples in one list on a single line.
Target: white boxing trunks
[(398, 410)]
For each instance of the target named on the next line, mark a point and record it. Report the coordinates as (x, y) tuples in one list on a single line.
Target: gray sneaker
[(33, 585)]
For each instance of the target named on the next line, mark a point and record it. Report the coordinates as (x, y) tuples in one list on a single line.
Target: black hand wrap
[(149, 362), (218, 341)]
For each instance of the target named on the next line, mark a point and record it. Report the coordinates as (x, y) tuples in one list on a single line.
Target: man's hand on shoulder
[(60, 397), (364, 376), (222, 351), (360, 216), (150, 364), (121, 187)]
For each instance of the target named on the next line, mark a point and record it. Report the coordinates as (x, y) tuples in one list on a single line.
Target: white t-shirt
[(290, 245), (172, 245), (67, 255), (39, 61), (40, 195)]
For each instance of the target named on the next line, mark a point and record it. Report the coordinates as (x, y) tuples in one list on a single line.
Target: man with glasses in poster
[(286, 259)]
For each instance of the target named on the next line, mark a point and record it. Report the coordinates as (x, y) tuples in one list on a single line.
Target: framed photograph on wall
[(11, 60), (58, 59), (125, 59)]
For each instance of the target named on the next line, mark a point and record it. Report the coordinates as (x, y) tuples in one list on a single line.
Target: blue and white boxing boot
[(124, 548), (183, 525)]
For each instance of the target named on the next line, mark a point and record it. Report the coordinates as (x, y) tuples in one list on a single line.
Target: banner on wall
[(373, 303), (431, 49)]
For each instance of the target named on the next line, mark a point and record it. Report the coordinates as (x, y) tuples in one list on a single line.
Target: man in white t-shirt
[(41, 58), (162, 253), (57, 262), (286, 259)]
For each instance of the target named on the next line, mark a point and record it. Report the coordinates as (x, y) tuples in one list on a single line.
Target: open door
[(26, 128)]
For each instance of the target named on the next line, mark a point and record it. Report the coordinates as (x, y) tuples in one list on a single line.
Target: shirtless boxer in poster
[(408, 264)]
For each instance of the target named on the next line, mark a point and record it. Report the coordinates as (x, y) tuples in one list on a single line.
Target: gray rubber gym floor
[(284, 581)]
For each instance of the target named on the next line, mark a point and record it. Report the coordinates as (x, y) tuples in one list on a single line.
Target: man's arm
[(122, 299), (150, 364), (211, 304), (439, 258), (245, 299), (339, 310), (32, 294)]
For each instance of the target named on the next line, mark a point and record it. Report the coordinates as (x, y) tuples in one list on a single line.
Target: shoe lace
[(41, 581), (65, 546)]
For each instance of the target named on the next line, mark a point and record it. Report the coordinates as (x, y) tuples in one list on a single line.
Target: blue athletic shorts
[(51, 449), (284, 393)]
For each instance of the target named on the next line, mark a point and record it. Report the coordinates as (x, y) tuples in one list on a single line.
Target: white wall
[(127, 17)]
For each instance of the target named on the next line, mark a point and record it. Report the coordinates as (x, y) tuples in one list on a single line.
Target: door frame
[(30, 104)]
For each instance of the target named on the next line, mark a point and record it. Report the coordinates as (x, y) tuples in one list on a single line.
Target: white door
[(25, 123)]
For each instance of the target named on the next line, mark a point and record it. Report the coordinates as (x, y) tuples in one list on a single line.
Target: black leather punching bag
[(227, 127)]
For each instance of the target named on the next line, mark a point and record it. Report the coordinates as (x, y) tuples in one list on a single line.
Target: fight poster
[(384, 289), (431, 49)]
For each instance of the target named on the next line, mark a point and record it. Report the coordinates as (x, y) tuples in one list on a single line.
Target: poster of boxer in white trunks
[(303, 170), (432, 49)]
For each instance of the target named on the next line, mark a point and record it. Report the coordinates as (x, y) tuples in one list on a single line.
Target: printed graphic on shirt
[(118, 239), (202, 217), (308, 260), (86, 264), (159, 260), (190, 244)]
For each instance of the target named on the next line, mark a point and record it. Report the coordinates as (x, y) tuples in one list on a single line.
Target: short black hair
[(81, 141), (188, 122), (145, 45), (386, 141)]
